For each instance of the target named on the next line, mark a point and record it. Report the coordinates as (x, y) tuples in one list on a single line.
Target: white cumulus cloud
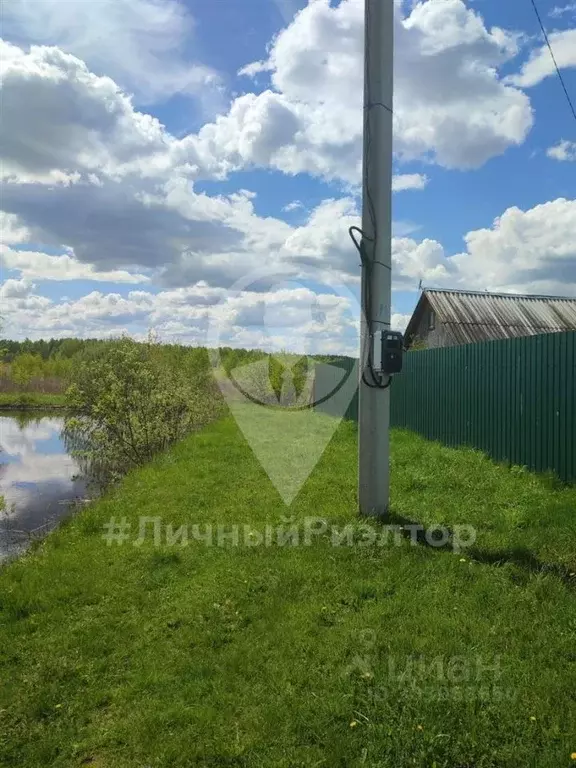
[(43, 266), (451, 106), (540, 64), (12, 231), (531, 251), (15, 289), (60, 118), (562, 10), (140, 43), (565, 151), (404, 181)]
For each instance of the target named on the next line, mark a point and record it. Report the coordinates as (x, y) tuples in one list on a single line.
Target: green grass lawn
[(293, 657), (31, 400)]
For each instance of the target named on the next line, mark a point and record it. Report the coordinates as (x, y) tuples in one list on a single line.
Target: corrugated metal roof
[(471, 316)]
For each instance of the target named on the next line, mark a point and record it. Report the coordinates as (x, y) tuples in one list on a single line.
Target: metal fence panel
[(512, 398)]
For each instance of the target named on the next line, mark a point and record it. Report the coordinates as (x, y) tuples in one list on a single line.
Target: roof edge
[(500, 295)]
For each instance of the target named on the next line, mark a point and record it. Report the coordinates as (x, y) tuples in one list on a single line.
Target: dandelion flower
[(354, 723)]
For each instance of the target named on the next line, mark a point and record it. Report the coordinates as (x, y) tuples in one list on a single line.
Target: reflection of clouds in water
[(36, 474), (16, 440)]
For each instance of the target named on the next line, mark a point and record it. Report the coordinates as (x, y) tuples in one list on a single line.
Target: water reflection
[(38, 477)]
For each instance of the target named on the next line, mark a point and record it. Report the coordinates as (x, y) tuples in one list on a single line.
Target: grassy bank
[(11, 400), (321, 655)]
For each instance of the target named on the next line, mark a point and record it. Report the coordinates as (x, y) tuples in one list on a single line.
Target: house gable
[(446, 318)]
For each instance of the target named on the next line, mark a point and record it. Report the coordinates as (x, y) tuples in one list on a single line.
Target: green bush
[(24, 398), (128, 405), (25, 367)]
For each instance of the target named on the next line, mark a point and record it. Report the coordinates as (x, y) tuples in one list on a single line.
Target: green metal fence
[(513, 398)]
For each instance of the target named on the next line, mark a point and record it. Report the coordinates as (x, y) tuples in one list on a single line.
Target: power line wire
[(558, 72)]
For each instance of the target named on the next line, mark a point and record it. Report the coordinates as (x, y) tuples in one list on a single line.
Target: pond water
[(38, 477)]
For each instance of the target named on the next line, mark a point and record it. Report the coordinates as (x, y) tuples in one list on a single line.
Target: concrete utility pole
[(374, 402)]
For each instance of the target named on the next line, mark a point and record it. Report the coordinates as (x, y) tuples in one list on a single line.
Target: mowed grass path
[(289, 657)]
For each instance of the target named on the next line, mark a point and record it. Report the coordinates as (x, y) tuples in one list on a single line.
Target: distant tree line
[(130, 400), (45, 348)]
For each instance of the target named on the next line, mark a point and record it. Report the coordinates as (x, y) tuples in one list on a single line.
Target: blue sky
[(193, 167)]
